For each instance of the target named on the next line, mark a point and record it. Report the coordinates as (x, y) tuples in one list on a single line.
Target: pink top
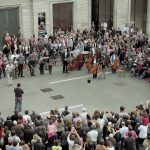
[(51, 130), (133, 134)]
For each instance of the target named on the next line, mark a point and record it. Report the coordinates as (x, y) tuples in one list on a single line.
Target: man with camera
[(73, 139)]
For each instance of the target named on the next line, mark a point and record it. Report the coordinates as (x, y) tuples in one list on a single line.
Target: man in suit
[(21, 62), (65, 56)]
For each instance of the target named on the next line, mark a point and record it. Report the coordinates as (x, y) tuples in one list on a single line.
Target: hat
[(83, 109)]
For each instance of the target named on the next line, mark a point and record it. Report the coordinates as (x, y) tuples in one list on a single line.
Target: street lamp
[(129, 25)]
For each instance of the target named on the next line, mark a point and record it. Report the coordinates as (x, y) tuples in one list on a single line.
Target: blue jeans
[(18, 104)]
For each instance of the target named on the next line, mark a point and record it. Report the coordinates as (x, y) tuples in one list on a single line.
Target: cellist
[(94, 68), (89, 62), (114, 63)]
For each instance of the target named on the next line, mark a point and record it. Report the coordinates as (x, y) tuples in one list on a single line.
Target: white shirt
[(9, 68), (124, 130), (12, 138), (70, 143), (110, 148), (26, 118), (101, 122), (112, 59), (143, 131), (92, 135)]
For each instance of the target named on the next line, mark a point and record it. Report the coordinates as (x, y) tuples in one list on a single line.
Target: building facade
[(30, 17)]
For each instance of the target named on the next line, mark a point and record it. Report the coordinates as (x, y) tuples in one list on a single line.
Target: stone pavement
[(73, 90)]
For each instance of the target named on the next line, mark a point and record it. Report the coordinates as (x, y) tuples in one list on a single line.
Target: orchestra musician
[(94, 69), (101, 67), (114, 63), (88, 63), (79, 62), (65, 56), (71, 62)]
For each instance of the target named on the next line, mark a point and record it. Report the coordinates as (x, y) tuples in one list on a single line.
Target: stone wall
[(29, 10), (81, 13), (83, 16)]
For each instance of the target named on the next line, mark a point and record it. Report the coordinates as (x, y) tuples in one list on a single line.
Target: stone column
[(121, 14), (90, 14), (83, 15), (74, 15), (51, 17), (129, 10), (148, 18)]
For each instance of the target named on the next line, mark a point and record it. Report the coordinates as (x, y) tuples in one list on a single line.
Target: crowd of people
[(102, 130), (94, 49)]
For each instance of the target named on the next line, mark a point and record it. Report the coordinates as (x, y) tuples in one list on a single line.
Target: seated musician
[(79, 62), (88, 63), (71, 62)]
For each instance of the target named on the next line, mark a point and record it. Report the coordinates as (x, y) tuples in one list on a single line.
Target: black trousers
[(41, 68), (20, 70), (65, 64), (65, 147), (50, 69), (31, 68)]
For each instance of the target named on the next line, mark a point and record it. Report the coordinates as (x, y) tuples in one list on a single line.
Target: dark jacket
[(130, 143), (39, 146), (64, 138)]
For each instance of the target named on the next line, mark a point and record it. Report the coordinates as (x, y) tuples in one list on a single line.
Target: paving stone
[(57, 97)]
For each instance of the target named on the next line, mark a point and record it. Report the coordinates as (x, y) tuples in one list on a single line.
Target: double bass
[(79, 62), (88, 63), (94, 70)]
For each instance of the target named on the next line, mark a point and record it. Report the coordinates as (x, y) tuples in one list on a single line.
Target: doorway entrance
[(102, 11), (9, 23), (62, 16)]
